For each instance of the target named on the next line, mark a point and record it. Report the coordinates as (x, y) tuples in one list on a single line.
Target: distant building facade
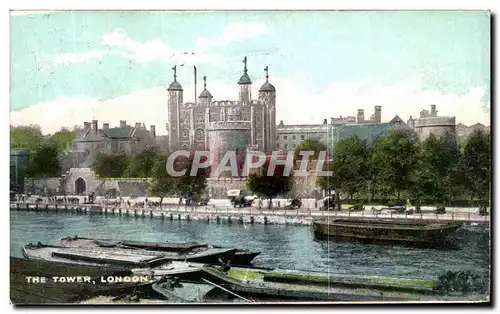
[(123, 139)]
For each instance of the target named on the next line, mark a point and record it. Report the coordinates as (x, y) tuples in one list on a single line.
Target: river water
[(282, 246)]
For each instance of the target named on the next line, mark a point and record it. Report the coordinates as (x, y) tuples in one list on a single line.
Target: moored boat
[(240, 257), (391, 230), (122, 256)]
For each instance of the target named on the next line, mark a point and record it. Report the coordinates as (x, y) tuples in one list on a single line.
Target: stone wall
[(45, 186)]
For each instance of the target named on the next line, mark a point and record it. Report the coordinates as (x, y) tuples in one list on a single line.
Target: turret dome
[(205, 94), (267, 87), (175, 86)]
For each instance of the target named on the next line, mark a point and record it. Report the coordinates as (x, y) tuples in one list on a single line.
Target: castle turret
[(267, 94), (378, 114), (205, 97), (361, 116), (245, 85), (175, 100)]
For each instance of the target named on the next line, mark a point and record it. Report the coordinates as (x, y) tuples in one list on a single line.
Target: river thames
[(281, 246)]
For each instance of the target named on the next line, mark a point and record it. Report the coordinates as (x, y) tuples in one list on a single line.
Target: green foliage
[(62, 139), (26, 137), (44, 163), (395, 158), (162, 184), (142, 165), (109, 165), (191, 187), (186, 186), (351, 164), (476, 164), (436, 169), (309, 145), (269, 186)]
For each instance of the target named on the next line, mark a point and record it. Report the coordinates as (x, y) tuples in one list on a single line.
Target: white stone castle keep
[(220, 126)]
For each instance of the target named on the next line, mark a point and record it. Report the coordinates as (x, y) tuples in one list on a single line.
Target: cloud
[(295, 104), (117, 42)]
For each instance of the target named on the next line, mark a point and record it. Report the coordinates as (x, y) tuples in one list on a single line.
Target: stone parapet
[(435, 121)]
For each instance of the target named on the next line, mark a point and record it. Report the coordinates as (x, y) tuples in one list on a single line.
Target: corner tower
[(267, 94), (245, 85), (205, 97), (175, 100)]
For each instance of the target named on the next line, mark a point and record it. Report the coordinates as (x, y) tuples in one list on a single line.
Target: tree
[(44, 163), (269, 186), (161, 184), (110, 165), (142, 165), (351, 164), (394, 156), (26, 137), (309, 145), (477, 164), (436, 165), (190, 187), (62, 139)]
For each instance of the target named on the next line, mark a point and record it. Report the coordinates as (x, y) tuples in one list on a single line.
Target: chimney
[(361, 116), (433, 111), (378, 114), (86, 126), (138, 125), (94, 125), (332, 120), (153, 131), (325, 122), (123, 123), (281, 123), (105, 126)]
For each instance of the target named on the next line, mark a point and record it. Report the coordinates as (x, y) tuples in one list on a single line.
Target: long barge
[(387, 230), (240, 257)]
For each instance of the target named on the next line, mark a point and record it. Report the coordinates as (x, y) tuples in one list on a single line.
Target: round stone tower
[(441, 127), (228, 136)]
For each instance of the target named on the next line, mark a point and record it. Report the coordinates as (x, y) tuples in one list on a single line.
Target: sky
[(68, 67)]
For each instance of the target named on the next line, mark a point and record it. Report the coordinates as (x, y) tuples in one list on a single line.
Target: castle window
[(286, 146), (302, 137), (293, 137), (293, 145), (285, 137), (277, 138), (200, 135)]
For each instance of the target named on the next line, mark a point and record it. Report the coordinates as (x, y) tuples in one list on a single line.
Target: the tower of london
[(220, 126)]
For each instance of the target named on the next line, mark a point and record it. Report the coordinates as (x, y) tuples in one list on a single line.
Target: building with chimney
[(122, 139)]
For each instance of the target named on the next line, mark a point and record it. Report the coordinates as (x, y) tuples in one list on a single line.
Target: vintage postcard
[(179, 157)]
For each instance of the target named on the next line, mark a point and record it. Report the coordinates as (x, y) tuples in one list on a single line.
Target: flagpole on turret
[(195, 84)]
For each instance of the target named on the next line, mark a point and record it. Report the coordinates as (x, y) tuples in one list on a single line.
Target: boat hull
[(240, 257), (386, 231)]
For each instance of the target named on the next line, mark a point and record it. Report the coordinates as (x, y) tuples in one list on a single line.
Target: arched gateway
[(80, 186)]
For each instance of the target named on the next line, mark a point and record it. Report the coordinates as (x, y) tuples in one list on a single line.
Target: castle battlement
[(434, 121), (225, 103), (230, 125)]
